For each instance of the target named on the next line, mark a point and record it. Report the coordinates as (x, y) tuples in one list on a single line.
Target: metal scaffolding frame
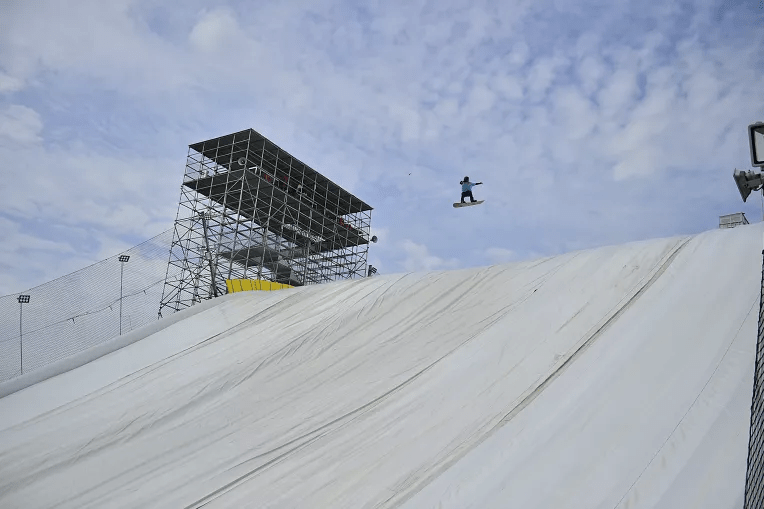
[(250, 210)]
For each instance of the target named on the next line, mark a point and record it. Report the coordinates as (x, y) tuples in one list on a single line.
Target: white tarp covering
[(615, 377)]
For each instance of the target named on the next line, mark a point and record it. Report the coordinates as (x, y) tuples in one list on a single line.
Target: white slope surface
[(616, 377)]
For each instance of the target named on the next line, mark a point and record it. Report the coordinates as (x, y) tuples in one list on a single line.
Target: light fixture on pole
[(748, 181), (756, 141), (371, 269), (123, 260), (23, 299)]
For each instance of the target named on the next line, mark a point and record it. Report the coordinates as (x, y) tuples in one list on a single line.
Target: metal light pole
[(23, 299), (123, 260)]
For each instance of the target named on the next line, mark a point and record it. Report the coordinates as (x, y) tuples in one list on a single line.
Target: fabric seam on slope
[(662, 266), (535, 284), (349, 416), (692, 405), (244, 477)]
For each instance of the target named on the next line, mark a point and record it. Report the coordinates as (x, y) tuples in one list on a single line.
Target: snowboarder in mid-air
[(467, 192)]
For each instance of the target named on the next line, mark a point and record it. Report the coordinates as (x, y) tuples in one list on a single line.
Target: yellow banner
[(248, 285)]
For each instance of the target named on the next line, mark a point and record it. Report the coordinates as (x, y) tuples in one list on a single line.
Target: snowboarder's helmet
[(466, 179)]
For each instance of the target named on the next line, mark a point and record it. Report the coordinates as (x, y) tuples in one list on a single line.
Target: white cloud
[(115, 192), (13, 237), (684, 115), (519, 54), (590, 71), (480, 100), (9, 84), (575, 111), (418, 258), (20, 124), (498, 255), (26, 259), (618, 93), (409, 120), (541, 75), (636, 163), (103, 43), (510, 87), (215, 30)]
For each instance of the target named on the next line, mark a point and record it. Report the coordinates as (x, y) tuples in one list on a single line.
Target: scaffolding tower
[(250, 210)]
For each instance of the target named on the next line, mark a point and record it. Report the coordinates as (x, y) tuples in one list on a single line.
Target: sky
[(617, 377), (589, 123)]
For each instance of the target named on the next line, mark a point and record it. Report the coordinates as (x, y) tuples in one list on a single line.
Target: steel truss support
[(249, 210)]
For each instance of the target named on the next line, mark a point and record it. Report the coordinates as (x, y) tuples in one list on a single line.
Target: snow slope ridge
[(614, 377)]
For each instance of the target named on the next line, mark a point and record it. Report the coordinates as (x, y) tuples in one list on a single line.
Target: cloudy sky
[(590, 123)]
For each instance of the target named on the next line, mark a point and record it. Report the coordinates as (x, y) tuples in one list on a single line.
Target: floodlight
[(747, 181), (23, 299), (374, 239), (756, 140), (124, 258)]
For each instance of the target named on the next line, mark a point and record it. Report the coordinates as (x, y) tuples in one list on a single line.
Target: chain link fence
[(82, 309), (754, 485)]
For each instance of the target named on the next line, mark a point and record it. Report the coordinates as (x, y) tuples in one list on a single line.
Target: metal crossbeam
[(250, 210)]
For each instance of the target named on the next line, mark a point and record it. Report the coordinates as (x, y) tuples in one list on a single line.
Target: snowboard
[(458, 205)]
